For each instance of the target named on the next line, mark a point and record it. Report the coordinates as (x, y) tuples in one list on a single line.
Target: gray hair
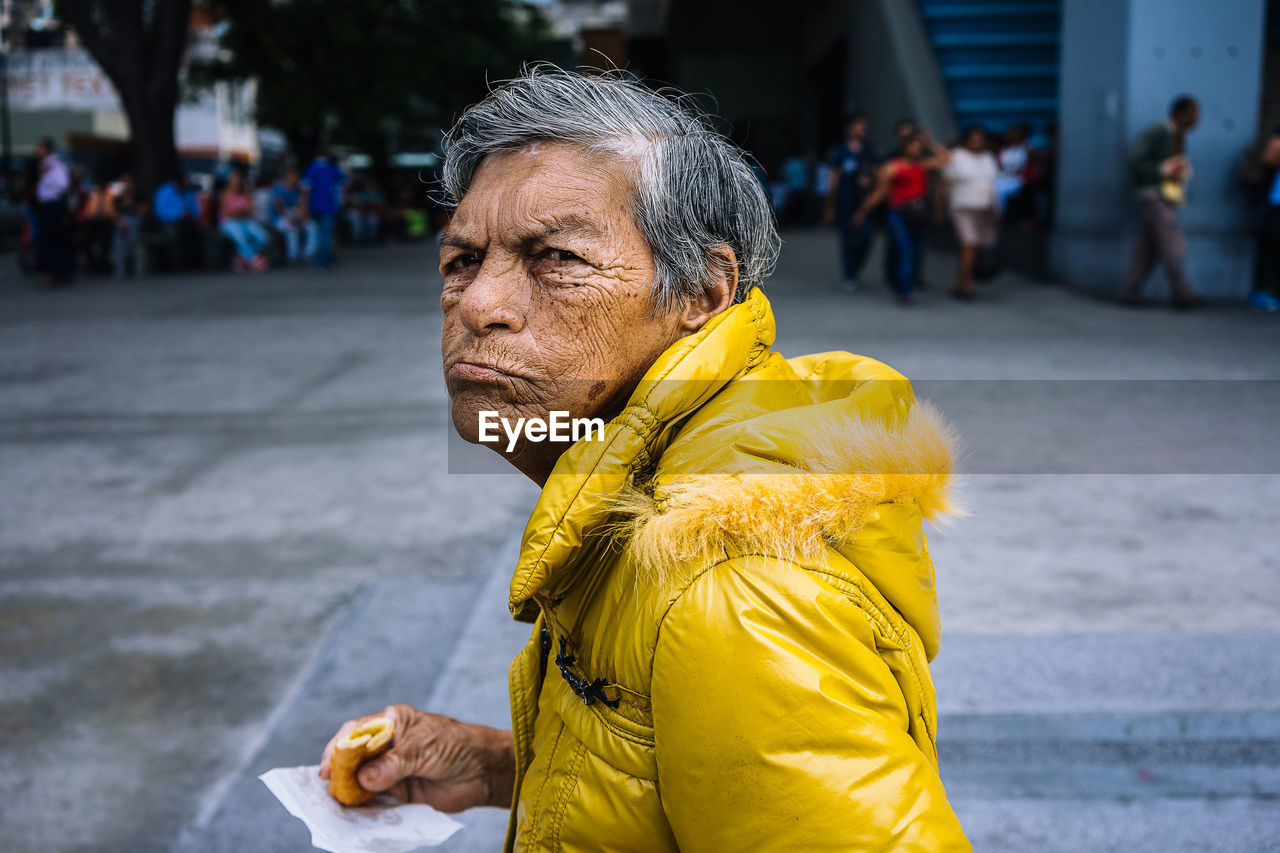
[(695, 191)]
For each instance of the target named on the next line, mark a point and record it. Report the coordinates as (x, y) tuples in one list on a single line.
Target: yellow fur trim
[(849, 464)]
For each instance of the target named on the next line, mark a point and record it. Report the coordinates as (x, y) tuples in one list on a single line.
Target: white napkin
[(385, 825)]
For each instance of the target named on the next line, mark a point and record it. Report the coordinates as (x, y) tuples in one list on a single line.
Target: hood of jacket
[(727, 447)]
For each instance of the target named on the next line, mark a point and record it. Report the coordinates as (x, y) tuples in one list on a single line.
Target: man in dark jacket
[(1159, 168), (851, 168)]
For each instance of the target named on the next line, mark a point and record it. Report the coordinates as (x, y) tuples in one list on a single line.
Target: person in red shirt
[(904, 182)]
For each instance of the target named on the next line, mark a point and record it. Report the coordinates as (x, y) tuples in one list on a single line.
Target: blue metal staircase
[(999, 58)]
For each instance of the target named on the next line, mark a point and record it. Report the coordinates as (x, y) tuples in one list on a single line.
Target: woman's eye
[(463, 261), (562, 255)]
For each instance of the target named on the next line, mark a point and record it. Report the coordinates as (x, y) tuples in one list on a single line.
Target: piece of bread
[(370, 740)]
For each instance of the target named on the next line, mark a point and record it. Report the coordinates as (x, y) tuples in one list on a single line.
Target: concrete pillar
[(1123, 61)]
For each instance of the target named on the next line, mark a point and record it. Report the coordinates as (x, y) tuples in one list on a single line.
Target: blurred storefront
[(56, 89)]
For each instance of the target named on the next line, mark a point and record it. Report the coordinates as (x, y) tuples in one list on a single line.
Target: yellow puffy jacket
[(734, 608)]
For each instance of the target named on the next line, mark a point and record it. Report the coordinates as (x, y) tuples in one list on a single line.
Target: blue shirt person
[(177, 209), (851, 168), (323, 180), (284, 201), (172, 201), (289, 213)]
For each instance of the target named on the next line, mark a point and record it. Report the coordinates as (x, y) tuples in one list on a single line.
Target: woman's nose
[(493, 300)]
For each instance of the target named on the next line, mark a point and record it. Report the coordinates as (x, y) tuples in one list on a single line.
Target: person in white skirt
[(971, 176)]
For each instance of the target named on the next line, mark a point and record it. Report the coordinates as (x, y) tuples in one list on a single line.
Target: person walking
[(903, 129), (54, 256), (971, 177), (323, 181), (904, 182), (850, 175), (1160, 169), (1015, 154)]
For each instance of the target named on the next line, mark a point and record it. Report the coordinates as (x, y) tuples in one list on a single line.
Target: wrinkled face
[(548, 302)]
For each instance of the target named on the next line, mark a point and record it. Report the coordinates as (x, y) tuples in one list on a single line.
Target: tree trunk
[(139, 48), (152, 143), (302, 142)]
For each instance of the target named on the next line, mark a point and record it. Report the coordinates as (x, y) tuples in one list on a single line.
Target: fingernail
[(368, 776)]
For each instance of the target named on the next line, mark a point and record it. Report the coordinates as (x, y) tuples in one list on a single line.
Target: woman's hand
[(436, 760)]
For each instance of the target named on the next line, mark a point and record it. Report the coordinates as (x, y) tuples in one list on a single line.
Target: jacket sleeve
[(778, 726), (1146, 157)]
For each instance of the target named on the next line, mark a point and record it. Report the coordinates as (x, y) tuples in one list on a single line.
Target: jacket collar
[(576, 497)]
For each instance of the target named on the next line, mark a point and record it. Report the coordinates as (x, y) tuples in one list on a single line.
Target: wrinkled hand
[(436, 760)]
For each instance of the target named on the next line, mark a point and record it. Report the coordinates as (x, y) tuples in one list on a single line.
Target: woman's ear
[(717, 294)]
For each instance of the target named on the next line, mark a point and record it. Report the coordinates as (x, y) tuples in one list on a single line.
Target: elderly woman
[(732, 601)]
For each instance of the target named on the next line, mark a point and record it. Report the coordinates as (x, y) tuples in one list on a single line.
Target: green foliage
[(361, 71)]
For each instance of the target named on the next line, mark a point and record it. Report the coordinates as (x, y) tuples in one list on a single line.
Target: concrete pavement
[(227, 526), (199, 475)]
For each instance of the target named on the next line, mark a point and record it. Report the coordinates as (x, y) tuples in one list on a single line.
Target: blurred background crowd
[(240, 218), (233, 134)]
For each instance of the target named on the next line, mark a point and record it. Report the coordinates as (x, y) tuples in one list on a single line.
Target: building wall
[(784, 85), (892, 72), (1123, 61), (743, 72)]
